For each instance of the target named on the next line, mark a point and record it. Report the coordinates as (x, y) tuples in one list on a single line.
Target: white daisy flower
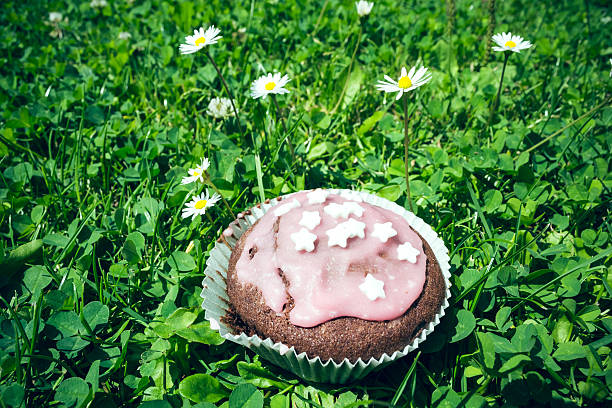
[(124, 35), (269, 84), (197, 174), (200, 39), (407, 81), (509, 42), (363, 7), (98, 3), (199, 204), (55, 17), (219, 107)]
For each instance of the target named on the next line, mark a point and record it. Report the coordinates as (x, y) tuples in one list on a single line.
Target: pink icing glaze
[(320, 282)]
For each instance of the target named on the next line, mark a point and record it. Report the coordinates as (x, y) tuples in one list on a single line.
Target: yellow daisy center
[(200, 204), (510, 44), (404, 82), (270, 86), (200, 41), (196, 174)]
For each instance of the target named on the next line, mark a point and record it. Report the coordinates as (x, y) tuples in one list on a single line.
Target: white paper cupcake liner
[(216, 301)]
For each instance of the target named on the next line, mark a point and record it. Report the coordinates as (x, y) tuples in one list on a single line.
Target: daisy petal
[(388, 78), (411, 73)]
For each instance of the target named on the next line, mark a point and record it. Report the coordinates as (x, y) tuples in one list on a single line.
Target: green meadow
[(102, 116)]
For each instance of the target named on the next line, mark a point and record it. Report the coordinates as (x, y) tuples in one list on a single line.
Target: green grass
[(96, 133)]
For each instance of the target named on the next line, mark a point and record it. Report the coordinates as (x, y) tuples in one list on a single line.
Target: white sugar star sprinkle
[(351, 195), (303, 240), (345, 230), (354, 208), (406, 252), (337, 236), (336, 210), (383, 231), (343, 210), (284, 209), (355, 228), (310, 219), (372, 288), (317, 197)]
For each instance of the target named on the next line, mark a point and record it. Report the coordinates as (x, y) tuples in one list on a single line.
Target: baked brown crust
[(340, 338)]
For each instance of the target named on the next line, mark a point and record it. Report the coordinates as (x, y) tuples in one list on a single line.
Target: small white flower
[(509, 42), (98, 3), (407, 81), (269, 84), (199, 204), (611, 68), (56, 32), (55, 17), (219, 108), (200, 39), (124, 35), (363, 7), (197, 174)]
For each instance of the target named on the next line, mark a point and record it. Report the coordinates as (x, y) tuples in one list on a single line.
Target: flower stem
[(350, 68), (316, 27), (210, 183), (588, 19), (105, 170), (501, 81), (406, 142), (279, 118), (229, 93), (450, 25), (572, 123), (490, 29)]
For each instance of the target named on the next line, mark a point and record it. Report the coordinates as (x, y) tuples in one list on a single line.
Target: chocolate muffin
[(334, 277)]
